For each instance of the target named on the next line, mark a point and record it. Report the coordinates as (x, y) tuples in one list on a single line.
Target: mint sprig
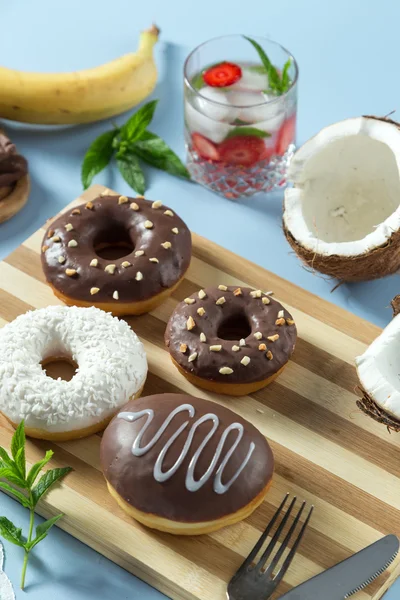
[(240, 131), (13, 471), (278, 83), (130, 144)]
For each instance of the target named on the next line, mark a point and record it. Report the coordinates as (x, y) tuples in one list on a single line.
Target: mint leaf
[(20, 461), (247, 131), (197, 82), (7, 460), (131, 171), (18, 440), (272, 72), (138, 122), (97, 156), (153, 150), (258, 69), (286, 81), (13, 477), (16, 493), (42, 530), (37, 467), (10, 533), (47, 480)]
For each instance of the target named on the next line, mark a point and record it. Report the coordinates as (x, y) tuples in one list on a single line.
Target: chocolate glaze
[(132, 476), (112, 222), (13, 166), (260, 318)]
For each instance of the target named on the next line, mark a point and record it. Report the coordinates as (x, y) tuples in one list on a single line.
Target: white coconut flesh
[(379, 369), (346, 195)]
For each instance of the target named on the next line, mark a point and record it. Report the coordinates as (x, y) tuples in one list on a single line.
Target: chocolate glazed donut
[(155, 250), (230, 340), (185, 465)]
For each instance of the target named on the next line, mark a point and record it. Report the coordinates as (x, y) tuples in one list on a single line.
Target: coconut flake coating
[(111, 361)]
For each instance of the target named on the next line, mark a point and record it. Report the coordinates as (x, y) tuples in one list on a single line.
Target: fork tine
[(276, 536), (285, 542), (262, 538), (292, 552)]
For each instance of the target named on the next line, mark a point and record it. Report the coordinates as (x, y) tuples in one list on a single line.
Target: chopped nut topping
[(245, 360), (202, 294), (280, 321), (235, 348), (192, 357), (110, 269), (183, 348), (69, 227), (61, 260), (225, 370), (190, 324), (265, 300), (154, 260), (157, 204), (273, 338), (201, 311), (281, 314), (148, 225), (50, 233), (223, 288), (169, 213), (116, 295), (72, 244), (258, 335), (126, 264), (139, 253), (203, 337), (289, 322), (262, 347), (141, 197), (220, 301), (76, 211), (70, 272), (44, 248), (269, 355), (56, 238), (105, 192), (237, 292), (189, 300), (94, 290), (242, 342), (216, 348), (134, 206), (123, 200), (94, 262), (256, 294), (166, 245), (175, 230), (89, 205), (139, 276)]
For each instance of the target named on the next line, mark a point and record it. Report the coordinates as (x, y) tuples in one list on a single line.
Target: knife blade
[(349, 576)]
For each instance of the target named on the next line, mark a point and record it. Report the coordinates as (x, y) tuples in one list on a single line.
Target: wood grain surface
[(327, 452)]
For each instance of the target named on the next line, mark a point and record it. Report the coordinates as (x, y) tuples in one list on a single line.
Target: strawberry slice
[(204, 147), (243, 150), (222, 75), (286, 135)]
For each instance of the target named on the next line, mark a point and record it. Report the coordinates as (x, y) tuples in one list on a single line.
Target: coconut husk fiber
[(373, 410), (379, 262)]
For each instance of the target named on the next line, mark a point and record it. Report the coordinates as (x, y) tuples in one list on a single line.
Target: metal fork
[(258, 582)]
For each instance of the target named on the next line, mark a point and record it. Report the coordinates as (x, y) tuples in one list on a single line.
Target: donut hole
[(59, 367), (113, 242), (234, 327)]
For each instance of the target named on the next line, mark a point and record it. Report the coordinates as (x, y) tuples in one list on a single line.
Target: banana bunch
[(82, 96)]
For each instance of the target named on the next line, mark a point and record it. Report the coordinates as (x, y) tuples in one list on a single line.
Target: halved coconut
[(342, 217), (379, 376)]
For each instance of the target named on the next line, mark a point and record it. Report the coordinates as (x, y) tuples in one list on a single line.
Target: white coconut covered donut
[(112, 369)]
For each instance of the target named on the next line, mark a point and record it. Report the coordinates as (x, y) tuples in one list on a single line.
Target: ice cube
[(215, 105), (213, 130), (258, 111), (251, 81)]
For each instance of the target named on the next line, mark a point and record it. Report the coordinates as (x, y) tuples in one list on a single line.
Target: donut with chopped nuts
[(123, 255), (230, 340)]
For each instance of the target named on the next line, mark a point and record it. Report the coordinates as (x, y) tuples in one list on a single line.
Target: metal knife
[(349, 576)]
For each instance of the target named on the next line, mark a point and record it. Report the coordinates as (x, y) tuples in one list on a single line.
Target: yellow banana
[(82, 96)]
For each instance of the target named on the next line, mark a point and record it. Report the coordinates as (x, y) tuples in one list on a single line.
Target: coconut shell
[(373, 410)]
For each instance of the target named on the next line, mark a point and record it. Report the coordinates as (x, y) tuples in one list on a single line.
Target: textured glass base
[(232, 181)]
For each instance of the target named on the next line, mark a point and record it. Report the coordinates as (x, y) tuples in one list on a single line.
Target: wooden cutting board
[(326, 450)]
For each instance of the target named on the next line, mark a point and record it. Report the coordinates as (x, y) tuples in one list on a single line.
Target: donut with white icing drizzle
[(111, 369), (185, 465)]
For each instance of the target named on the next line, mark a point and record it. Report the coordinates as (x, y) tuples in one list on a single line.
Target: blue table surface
[(348, 56)]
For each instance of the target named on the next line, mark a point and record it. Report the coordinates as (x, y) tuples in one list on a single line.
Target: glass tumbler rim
[(233, 35)]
